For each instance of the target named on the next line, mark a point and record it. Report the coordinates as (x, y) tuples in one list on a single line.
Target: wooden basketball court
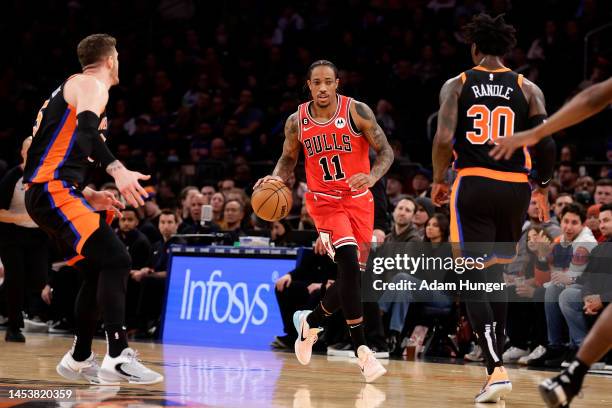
[(198, 376)]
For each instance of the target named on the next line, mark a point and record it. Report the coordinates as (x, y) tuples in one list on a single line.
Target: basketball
[(272, 201)]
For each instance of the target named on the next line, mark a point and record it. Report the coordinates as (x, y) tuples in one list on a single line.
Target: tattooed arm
[(366, 122), (291, 152), (442, 150)]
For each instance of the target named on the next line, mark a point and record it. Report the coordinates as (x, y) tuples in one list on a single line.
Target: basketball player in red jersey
[(336, 132), (67, 137), (560, 390), (489, 198)]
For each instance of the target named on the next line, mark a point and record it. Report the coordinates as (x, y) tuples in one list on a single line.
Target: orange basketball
[(271, 201)]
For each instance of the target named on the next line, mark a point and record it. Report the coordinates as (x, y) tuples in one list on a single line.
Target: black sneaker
[(555, 361), (393, 342), (284, 342), (341, 349), (60, 327), (559, 391), (14, 335), (552, 352), (569, 357)]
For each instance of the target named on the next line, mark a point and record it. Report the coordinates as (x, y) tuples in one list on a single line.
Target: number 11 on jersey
[(327, 176)]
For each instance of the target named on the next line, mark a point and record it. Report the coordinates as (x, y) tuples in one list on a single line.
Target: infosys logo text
[(205, 297)]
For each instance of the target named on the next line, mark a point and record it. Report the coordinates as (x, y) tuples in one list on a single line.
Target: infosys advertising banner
[(223, 301)]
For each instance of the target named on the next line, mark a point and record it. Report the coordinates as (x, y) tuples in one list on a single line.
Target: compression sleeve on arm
[(88, 137), (545, 152)]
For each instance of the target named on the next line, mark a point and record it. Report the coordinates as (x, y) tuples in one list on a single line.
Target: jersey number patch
[(488, 123), (39, 118), (327, 176)]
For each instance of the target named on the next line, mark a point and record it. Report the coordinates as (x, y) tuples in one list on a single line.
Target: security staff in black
[(489, 198)]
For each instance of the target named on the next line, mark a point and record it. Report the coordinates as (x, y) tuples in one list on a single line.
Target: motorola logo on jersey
[(326, 143), (223, 302), (340, 123)]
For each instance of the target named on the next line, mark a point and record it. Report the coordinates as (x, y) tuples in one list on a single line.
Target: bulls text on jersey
[(326, 143)]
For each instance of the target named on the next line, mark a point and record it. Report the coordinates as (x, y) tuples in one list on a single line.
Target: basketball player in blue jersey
[(66, 140), (489, 198), (560, 390)]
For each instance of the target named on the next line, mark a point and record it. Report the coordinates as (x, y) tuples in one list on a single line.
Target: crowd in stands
[(201, 108)]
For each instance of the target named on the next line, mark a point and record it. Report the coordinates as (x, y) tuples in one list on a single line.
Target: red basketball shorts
[(343, 220)]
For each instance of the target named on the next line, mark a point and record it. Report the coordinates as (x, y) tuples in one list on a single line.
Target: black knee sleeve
[(349, 282), (105, 251)]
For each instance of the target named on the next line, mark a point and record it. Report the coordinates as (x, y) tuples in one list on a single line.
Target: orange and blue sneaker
[(498, 385)]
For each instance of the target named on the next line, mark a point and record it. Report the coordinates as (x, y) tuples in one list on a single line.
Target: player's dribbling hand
[(267, 178), (505, 146), (440, 194), (360, 181)]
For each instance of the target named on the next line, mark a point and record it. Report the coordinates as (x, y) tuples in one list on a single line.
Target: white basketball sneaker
[(514, 353), (127, 368), (307, 337), (73, 370), (371, 368)]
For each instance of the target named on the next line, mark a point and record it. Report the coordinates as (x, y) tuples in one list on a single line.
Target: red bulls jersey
[(334, 150)]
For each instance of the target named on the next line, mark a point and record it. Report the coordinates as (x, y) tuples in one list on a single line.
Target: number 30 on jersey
[(490, 124)]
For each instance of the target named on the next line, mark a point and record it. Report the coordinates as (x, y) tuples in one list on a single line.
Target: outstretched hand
[(506, 146), (128, 183)]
